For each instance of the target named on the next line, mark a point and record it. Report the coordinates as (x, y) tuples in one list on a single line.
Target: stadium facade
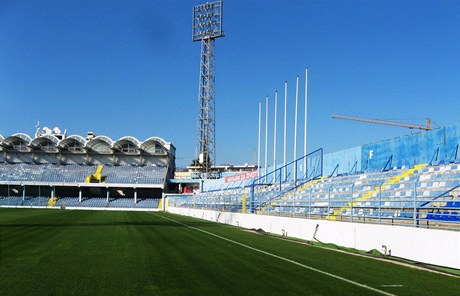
[(56, 169)]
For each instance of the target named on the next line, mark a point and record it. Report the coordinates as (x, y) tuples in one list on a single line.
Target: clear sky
[(130, 68)]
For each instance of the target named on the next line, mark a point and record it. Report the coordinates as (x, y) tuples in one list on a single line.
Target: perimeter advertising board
[(243, 176)]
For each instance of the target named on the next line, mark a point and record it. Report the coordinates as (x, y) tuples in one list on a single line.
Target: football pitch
[(65, 252)]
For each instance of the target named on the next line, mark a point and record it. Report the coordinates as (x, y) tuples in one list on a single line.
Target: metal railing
[(410, 204), (286, 178)]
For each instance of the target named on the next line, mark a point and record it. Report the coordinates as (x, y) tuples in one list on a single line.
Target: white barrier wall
[(438, 247)]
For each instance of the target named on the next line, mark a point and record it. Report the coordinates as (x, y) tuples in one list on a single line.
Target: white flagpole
[(274, 138), (266, 137), (295, 128), (305, 125), (285, 118), (258, 138)]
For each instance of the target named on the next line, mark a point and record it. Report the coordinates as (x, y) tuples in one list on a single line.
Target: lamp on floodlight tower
[(206, 27)]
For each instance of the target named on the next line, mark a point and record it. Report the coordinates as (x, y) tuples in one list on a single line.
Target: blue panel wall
[(344, 158), (420, 147)]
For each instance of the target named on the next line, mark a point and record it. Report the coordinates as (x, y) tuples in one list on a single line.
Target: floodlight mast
[(206, 27)]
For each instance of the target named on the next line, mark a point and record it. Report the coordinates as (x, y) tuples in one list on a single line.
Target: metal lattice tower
[(206, 27)]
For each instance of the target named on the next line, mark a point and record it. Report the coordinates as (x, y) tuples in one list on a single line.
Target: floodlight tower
[(206, 27)]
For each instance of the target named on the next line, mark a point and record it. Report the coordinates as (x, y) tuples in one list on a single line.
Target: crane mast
[(385, 122)]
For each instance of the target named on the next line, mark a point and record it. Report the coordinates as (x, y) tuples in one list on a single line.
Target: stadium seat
[(445, 216), (429, 216), (454, 216)]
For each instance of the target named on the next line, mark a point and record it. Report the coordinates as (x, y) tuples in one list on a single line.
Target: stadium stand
[(410, 180), (56, 170), (403, 184), (417, 196), (73, 173)]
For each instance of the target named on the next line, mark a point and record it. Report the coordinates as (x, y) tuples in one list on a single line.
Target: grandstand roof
[(45, 142), (72, 139), (16, 137), (127, 144), (98, 144)]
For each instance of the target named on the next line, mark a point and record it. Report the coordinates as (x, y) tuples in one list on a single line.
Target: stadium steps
[(290, 194), (97, 177), (52, 201), (369, 194)]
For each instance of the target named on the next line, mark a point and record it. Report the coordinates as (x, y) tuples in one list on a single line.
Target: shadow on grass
[(112, 223)]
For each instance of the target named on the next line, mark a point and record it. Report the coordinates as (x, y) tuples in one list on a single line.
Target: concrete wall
[(439, 247)]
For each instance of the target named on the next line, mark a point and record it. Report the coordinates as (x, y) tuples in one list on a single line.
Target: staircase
[(369, 194), (291, 193), (52, 201), (97, 176)]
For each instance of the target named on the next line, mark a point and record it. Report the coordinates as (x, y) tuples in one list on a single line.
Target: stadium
[(94, 214), (58, 170)]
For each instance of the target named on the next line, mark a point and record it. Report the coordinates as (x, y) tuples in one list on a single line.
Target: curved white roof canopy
[(127, 144), (18, 141), (100, 144), (74, 143), (46, 143), (77, 143), (153, 145)]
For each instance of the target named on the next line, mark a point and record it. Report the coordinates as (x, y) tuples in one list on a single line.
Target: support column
[(380, 202), (79, 194), (108, 194), (23, 193), (135, 195), (415, 213), (351, 208)]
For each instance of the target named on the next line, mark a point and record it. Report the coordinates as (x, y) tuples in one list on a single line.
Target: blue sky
[(130, 68)]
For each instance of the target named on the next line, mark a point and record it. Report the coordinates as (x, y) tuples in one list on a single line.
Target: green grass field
[(62, 252)]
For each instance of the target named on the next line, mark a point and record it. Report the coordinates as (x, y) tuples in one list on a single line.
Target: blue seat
[(454, 216), (437, 216), (445, 216), (430, 216)]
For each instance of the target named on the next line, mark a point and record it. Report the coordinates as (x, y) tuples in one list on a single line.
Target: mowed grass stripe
[(207, 267), (64, 257), (136, 253), (400, 280), (158, 259), (284, 259)]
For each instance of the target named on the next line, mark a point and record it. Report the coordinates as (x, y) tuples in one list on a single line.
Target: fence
[(409, 205), (286, 178)]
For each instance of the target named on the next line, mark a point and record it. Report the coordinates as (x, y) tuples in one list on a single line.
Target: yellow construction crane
[(385, 122)]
